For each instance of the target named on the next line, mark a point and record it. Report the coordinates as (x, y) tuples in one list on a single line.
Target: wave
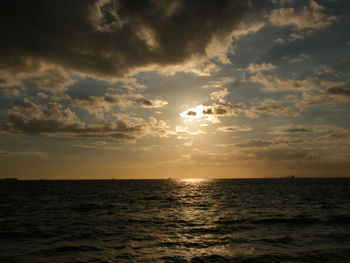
[(289, 221), (160, 222), (11, 235), (66, 250), (336, 256)]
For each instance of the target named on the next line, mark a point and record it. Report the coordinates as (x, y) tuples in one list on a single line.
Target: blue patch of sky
[(88, 87)]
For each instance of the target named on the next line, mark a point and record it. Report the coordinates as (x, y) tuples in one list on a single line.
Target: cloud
[(332, 134), (331, 95), (99, 104), (295, 36), (201, 157), (333, 84), (92, 145), (271, 83), (219, 95), (209, 113), (115, 38), (234, 128), (261, 67), (11, 92), (335, 137), (338, 91), (285, 154), (315, 135), (271, 107), (315, 99), (295, 129), (152, 103), (183, 132), (218, 83), (26, 117), (310, 17), (304, 21), (53, 80), (279, 40), (296, 59), (330, 128), (255, 143), (325, 70), (24, 153), (271, 155), (219, 110)]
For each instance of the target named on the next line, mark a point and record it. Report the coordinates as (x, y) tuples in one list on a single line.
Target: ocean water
[(252, 220)]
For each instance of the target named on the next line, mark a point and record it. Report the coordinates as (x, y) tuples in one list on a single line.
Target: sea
[(189, 220)]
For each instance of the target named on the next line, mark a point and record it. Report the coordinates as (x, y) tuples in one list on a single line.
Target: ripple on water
[(162, 221)]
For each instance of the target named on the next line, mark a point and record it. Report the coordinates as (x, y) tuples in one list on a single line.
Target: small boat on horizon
[(288, 177)]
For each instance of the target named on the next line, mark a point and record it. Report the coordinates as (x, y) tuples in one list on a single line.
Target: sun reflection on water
[(195, 181)]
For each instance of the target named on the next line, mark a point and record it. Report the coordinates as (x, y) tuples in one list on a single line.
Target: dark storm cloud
[(111, 38)]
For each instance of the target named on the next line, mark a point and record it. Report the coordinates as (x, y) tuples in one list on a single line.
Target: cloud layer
[(26, 117), (112, 38)]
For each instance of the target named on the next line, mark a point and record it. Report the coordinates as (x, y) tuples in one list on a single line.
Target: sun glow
[(194, 113)]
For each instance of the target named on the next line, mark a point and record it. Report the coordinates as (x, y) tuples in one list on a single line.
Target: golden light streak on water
[(193, 180)]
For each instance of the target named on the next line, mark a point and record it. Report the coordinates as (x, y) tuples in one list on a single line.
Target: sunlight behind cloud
[(193, 114)]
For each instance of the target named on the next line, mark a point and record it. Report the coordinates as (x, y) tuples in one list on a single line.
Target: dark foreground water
[(281, 220)]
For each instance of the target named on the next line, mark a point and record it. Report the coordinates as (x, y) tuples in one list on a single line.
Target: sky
[(99, 89)]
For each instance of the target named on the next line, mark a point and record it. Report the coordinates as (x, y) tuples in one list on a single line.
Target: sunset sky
[(181, 88)]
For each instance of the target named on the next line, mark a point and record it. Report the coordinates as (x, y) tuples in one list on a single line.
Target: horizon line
[(170, 178)]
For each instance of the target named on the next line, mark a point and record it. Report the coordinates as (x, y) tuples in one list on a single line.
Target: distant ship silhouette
[(288, 177)]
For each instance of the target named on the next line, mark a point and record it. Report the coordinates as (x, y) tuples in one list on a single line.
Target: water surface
[(255, 220)]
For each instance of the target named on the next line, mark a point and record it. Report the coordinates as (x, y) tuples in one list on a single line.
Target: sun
[(193, 114)]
